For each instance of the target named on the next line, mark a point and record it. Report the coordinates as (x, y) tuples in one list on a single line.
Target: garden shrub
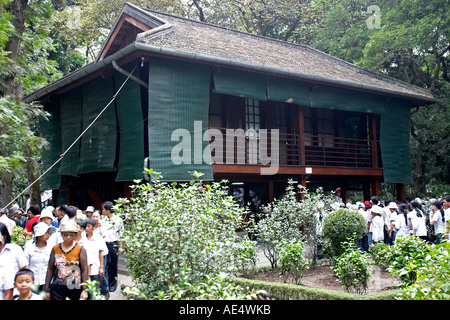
[(341, 225), (280, 221), (178, 235), (424, 268), (432, 275), (217, 287), (290, 220), (292, 262), (353, 269), (245, 255), (382, 254), (406, 256)]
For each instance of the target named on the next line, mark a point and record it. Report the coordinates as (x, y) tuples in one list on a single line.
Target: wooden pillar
[(400, 187), (373, 139), (301, 133), (270, 196), (376, 188), (127, 190), (344, 193)]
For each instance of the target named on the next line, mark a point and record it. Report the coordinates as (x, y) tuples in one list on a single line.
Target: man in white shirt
[(112, 228), (374, 201), (9, 223), (389, 222)]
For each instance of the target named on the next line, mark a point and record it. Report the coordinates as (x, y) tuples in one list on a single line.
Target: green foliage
[(93, 290), (292, 262), (406, 256), (412, 44), (424, 268), (288, 291), (280, 222), (353, 269), (341, 225), (20, 145), (18, 236), (177, 235), (381, 254), (245, 255), (218, 287), (433, 275), (288, 220)]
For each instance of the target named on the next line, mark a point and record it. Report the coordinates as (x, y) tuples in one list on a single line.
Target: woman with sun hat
[(67, 267)]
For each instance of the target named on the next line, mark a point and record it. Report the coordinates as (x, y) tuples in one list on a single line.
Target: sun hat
[(47, 212), (392, 205), (68, 226), (40, 229), (89, 209), (376, 209)]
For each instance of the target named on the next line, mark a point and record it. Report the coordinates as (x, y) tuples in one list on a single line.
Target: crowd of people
[(386, 220), (68, 247)]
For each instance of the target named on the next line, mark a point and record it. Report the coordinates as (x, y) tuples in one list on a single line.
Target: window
[(319, 122), (280, 120), (252, 114), (252, 121)]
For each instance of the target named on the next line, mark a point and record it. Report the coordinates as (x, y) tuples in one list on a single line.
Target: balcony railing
[(332, 151), (247, 146)]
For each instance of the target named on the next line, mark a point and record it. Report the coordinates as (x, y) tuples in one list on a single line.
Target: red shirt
[(31, 221)]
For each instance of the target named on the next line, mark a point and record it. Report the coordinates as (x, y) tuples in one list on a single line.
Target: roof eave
[(156, 50)]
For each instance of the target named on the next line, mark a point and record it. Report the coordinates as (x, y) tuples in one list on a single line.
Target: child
[(94, 246), (377, 224), (23, 282)]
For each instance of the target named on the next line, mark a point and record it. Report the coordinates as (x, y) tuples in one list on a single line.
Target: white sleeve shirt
[(113, 228)]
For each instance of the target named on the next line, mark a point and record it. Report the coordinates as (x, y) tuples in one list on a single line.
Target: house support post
[(400, 188)]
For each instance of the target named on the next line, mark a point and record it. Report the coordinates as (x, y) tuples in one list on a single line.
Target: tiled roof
[(201, 38), (177, 36)]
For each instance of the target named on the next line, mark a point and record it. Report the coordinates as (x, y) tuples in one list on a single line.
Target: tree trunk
[(18, 9)]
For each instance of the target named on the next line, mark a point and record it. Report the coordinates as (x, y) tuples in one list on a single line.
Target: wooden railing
[(332, 151), (325, 151)]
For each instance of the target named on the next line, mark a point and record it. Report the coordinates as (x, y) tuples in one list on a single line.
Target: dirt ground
[(322, 277)]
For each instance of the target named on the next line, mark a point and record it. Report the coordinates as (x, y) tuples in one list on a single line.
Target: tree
[(24, 47), (411, 44)]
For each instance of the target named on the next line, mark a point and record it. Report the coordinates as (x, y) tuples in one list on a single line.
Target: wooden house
[(242, 103)]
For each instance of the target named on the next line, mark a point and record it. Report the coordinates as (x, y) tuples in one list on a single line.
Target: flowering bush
[(177, 234), (18, 236)]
